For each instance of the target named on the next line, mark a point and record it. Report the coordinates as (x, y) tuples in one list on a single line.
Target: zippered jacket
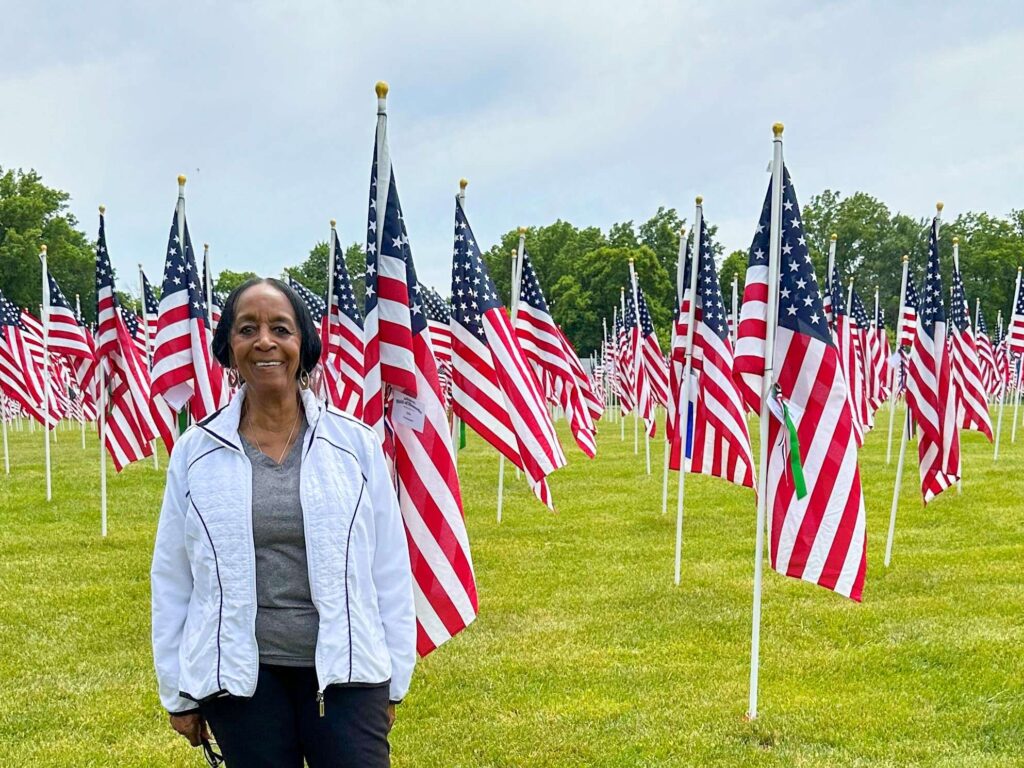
[(204, 564)]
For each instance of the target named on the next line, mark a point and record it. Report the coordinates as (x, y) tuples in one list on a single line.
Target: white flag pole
[(46, 368), (680, 259), (1002, 384), (956, 268), (893, 378), (456, 421), (1014, 363), (735, 311), (517, 279), (517, 260), (81, 394), (831, 267), (604, 367), (683, 414), (774, 248), (3, 421)]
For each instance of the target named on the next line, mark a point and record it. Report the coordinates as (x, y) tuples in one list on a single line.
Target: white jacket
[(204, 564)]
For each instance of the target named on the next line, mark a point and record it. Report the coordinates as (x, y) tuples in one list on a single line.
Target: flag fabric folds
[(183, 370), (547, 349), (404, 401), (817, 528), (719, 441), (965, 363), (931, 396), (494, 391), (21, 374)]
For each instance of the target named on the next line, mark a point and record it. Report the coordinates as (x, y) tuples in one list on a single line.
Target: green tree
[(227, 280), (32, 214), (734, 265)]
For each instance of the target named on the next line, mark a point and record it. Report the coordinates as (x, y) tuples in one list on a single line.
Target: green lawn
[(584, 653)]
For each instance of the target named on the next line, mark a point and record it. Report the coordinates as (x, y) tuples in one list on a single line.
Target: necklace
[(287, 443)]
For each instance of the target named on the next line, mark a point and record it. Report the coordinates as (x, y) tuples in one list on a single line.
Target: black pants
[(281, 724)]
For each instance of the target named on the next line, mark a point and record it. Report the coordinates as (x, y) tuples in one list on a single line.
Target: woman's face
[(265, 339)]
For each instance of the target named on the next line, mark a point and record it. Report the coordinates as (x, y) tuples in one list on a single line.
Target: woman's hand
[(391, 716), (193, 727)]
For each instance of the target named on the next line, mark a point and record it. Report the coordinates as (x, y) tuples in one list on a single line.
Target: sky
[(590, 112)]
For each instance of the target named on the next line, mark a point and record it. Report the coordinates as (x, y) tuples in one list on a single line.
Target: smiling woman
[(282, 591)]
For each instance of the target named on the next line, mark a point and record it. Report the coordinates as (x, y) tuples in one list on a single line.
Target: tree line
[(580, 268)]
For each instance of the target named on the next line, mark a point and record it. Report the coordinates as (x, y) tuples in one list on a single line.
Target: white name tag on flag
[(407, 411)]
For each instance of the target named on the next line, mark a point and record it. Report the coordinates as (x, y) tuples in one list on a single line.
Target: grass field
[(584, 653)]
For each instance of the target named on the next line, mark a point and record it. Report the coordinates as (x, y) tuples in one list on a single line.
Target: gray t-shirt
[(286, 621)]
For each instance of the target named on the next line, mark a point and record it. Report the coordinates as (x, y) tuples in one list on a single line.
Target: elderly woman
[(282, 592)]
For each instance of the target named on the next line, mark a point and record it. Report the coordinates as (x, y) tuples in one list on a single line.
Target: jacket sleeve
[(392, 573), (171, 582)]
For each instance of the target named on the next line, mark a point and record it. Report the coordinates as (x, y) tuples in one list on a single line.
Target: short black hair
[(309, 344)]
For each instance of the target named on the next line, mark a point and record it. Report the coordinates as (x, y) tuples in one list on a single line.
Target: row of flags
[(413, 366)]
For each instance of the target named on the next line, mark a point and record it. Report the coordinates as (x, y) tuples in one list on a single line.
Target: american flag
[(215, 300), (66, 335), (654, 359), (677, 350), (151, 310), (624, 364), (183, 366), (879, 372), (860, 328), (587, 386), (342, 338), (643, 395), (1001, 352), (971, 395), (444, 586), (986, 357), (315, 304), (439, 325), (494, 391), (718, 439), (844, 335), (128, 428), (931, 396), (21, 374), (545, 347), (1015, 334), (907, 331), (388, 351), (817, 535), (136, 331)]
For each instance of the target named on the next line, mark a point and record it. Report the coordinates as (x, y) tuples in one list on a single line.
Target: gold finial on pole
[(181, 179), (43, 247), (382, 89), (522, 230), (333, 223), (682, 232), (956, 240), (777, 129), (103, 209), (700, 200), (906, 258), (834, 237), (463, 183), (939, 206)]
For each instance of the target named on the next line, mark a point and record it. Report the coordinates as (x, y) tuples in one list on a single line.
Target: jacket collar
[(222, 426)]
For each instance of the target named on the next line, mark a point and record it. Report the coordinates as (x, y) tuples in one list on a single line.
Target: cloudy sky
[(593, 112)]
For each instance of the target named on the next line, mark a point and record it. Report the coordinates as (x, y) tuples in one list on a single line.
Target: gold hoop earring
[(235, 379), (304, 379)]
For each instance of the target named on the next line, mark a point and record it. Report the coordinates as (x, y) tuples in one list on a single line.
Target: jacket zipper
[(309, 573)]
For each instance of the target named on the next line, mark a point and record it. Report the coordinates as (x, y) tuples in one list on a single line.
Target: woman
[(282, 592)]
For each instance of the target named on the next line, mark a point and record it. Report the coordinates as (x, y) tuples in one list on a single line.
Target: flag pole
[(463, 183), (956, 268), (683, 413), (1002, 384), (831, 268), (517, 261), (899, 351), (3, 420), (46, 369), (517, 279), (1015, 375), (735, 311), (774, 253), (622, 314), (680, 259), (604, 363), (81, 397)]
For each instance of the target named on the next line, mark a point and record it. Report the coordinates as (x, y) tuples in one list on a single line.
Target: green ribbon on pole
[(462, 434), (795, 465)]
